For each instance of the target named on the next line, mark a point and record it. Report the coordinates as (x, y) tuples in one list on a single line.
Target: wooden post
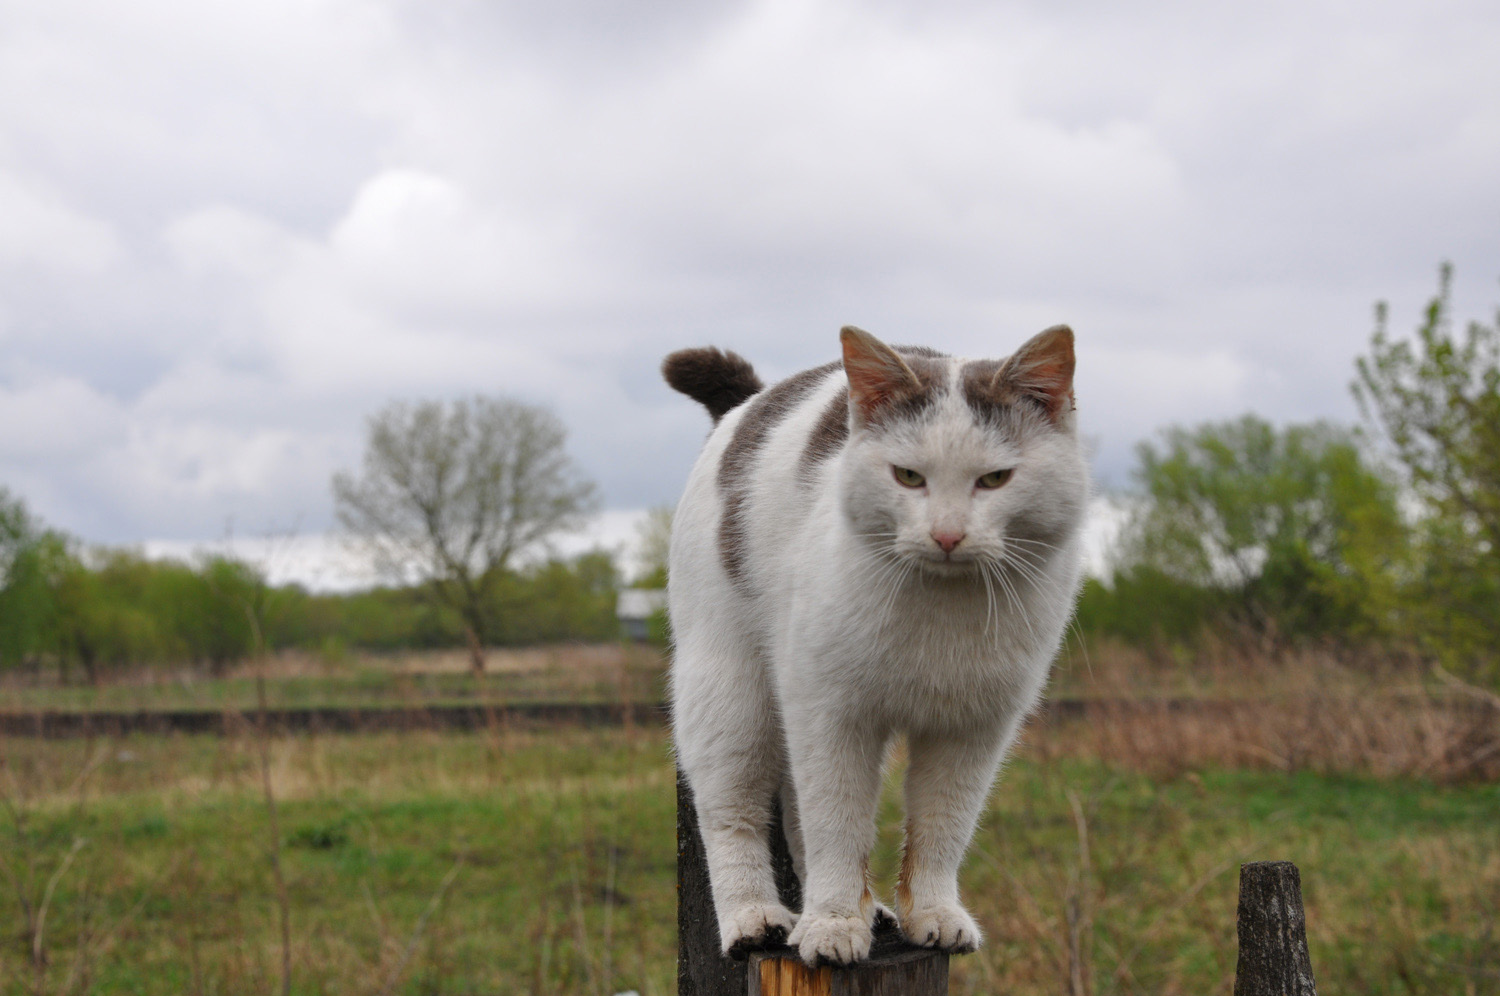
[(1272, 927), (701, 969), (894, 968)]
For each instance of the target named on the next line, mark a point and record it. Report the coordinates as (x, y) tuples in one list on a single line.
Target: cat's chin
[(947, 568)]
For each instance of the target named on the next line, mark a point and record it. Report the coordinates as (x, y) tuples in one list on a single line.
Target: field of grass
[(543, 862), (562, 673)]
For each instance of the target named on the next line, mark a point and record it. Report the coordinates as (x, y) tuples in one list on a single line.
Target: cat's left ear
[(1042, 369), (878, 376)]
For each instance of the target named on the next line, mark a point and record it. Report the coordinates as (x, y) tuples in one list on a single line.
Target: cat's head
[(953, 463)]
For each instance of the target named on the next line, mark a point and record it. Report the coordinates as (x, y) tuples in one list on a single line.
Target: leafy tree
[(114, 608), (654, 535), (451, 494), (18, 530), (25, 602), (230, 625), (1293, 523), (560, 600), (1436, 400), (1144, 606)]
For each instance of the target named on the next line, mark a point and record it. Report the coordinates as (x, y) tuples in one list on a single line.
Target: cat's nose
[(947, 540)]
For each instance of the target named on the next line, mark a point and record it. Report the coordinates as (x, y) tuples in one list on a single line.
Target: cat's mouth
[(947, 565)]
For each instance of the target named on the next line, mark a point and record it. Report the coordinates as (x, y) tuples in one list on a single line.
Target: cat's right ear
[(878, 376), (1042, 369)]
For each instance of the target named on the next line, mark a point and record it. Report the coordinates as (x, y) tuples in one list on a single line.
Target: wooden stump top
[(902, 971)]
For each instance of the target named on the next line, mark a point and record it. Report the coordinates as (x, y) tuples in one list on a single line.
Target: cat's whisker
[(897, 578), (1036, 557), (887, 581), (1020, 606), (1029, 572), (989, 595), (1083, 645), (1032, 541), (891, 572), (1000, 580), (1030, 558), (904, 571), (993, 568), (1009, 560), (1036, 560)]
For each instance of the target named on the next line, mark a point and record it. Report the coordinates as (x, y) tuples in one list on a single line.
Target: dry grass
[(1232, 666), (1433, 739), (1237, 705), (562, 659), (608, 672)]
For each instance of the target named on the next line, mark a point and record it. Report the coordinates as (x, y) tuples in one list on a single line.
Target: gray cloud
[(234, 233)]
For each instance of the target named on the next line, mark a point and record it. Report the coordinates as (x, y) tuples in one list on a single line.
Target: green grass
[(559, 851), (556, 841)]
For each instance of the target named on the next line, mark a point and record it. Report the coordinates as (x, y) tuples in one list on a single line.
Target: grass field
[(543, 862), (563, 673)]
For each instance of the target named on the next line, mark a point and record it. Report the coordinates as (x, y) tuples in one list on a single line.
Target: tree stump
[(1273, 959), (894, 968)]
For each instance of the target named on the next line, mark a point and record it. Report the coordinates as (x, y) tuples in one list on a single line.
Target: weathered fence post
[(894, 969), (1272, 928)]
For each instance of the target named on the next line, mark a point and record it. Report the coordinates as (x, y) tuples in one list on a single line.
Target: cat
[(884, 546)]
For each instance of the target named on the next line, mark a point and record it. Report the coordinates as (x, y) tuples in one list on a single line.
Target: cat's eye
[(994, 479), (909, 478)]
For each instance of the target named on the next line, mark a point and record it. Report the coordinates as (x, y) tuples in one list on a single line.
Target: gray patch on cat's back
[(827, 437), (762, 414)]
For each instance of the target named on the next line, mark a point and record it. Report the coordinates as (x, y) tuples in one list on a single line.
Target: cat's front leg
[(837, 769), (947, 783)]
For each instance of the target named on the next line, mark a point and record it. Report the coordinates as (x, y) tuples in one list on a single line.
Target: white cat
[(890, 546)]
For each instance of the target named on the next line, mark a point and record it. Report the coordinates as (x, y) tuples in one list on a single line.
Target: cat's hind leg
[(728, 742)]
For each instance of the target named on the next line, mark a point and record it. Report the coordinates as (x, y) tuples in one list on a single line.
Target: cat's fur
[(820, 607)]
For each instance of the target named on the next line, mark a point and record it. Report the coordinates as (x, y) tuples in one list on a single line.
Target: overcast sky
[(229, 233)]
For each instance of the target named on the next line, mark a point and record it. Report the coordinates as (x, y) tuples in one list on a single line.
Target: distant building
[(635, 609)]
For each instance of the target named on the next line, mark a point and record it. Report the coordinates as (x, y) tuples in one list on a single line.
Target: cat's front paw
[(947, 927), (753, 927), (829, 938)]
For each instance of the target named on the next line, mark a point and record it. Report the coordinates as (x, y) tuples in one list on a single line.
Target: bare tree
[(450, 495)]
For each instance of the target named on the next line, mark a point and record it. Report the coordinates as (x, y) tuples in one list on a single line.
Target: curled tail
[(717, 379)]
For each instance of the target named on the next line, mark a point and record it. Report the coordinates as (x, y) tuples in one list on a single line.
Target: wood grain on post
[(893, 969), (1273, 959), (902, 971)]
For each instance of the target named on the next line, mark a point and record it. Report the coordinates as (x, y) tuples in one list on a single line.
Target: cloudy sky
[(230, 232)]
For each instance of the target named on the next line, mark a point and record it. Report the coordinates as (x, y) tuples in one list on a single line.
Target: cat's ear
[(878, 376), (1042, 369)]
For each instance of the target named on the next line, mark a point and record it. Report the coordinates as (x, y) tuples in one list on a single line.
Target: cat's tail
[(717, 379)]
